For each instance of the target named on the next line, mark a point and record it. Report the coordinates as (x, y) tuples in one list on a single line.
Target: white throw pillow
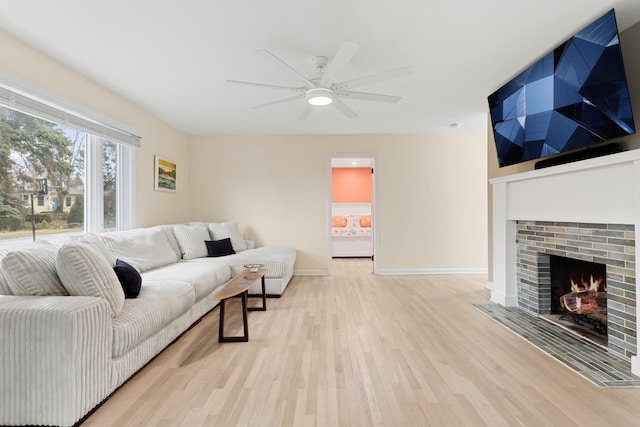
[(32, 271), (191, 239), (4, 286), (222, 230), (95, 241), (85, 271)]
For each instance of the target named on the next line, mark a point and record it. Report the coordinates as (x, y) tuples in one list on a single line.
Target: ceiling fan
[(322, 89)]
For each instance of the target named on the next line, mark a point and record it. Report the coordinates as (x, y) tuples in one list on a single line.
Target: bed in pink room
[(351, 230)]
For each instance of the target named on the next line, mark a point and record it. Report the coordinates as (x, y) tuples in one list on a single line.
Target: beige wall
[(431, 188), (630, 43), (431, 194), (153, 207)]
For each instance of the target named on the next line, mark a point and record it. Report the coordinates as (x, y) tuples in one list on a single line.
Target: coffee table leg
[(264, 299), (245, 323), (221, 326)]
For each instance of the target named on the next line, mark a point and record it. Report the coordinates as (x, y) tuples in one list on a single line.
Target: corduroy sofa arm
[(54, 361)]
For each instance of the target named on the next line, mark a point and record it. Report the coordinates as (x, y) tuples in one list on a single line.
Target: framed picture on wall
[(165, 174)]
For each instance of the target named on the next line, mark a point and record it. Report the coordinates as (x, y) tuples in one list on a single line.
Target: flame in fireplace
[(592, 285)]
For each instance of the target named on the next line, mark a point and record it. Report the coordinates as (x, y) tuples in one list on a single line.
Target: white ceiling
[(172, 58), (351, 162)]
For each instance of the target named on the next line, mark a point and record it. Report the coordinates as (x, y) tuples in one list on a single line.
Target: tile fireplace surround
[(586, 210)]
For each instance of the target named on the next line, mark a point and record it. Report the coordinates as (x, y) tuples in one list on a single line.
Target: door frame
[(374, 203)]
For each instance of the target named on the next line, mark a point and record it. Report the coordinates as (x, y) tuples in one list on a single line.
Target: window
[(80, 168)]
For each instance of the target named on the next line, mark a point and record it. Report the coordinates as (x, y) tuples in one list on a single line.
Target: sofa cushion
[(143, 248), (167, 229), (32, 271), (217, 248), (205, 277), (84, 271), (191, 239), (129, 278), (158, 304), (223, 230), (278, 260)]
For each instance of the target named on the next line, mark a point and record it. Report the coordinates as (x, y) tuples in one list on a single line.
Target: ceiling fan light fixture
[(320, 96)]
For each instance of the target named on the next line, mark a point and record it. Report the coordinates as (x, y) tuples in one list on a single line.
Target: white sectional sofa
[(70, 337)]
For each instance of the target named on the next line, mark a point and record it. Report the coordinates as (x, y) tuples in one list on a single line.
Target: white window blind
[(28, 99)]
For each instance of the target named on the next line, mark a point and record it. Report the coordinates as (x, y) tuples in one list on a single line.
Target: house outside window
[(89, 179)]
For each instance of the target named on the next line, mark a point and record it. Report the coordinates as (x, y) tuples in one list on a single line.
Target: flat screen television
[(573, 97)]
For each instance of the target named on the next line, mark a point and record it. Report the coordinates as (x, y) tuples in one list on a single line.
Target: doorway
[(352, 208)]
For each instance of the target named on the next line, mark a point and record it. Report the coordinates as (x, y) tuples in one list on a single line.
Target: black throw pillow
[(129, 278), (217, 248)]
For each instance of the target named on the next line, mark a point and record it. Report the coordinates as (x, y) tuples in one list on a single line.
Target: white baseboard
[(502, 299), (635, 365), (311, 272), (425, 271), (404, 272)]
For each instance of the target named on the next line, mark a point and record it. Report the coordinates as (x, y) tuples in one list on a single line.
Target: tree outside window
[(33, 149)]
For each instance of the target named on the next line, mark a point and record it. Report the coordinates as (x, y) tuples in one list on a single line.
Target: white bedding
[(351, 230)]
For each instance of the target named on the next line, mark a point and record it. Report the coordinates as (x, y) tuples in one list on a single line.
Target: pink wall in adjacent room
[(351, 185)]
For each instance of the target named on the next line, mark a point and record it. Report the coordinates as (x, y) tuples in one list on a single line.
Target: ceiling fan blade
[(375, 78), (271, 57), (280, 101), (292, 89), (344, 55), (305, 113), (369, 96), (344, 108)]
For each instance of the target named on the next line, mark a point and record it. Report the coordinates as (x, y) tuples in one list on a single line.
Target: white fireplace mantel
[(603, 190)]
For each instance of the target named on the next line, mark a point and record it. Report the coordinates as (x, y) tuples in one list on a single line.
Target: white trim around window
[(94, 187), (125, 190)]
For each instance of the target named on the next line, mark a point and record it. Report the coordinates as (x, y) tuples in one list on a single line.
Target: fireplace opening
[(579, 296)]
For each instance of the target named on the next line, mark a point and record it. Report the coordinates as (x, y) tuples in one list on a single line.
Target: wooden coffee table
[(239, 286)]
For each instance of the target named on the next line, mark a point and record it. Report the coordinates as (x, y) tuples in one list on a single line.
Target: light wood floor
[(354, 349)]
